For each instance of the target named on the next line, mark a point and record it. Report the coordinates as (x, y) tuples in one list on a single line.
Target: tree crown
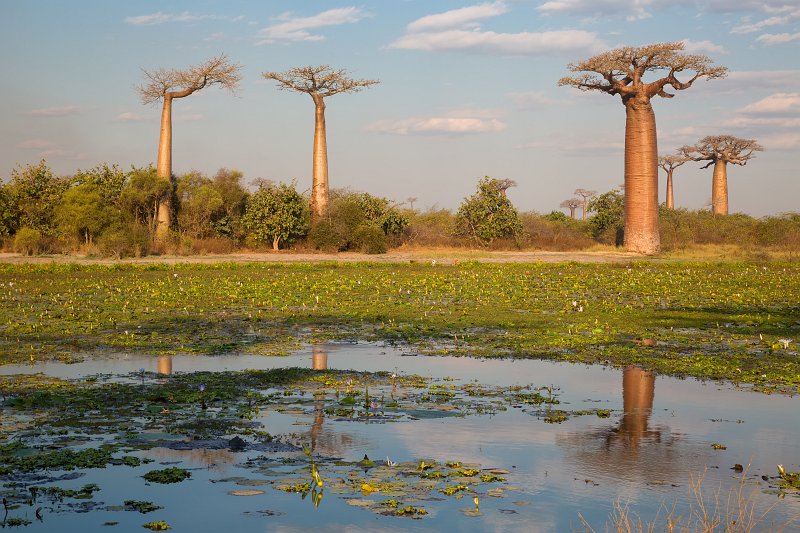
[(321, 80), (671, 162), (176, 83), (725, 148), (622, 70)]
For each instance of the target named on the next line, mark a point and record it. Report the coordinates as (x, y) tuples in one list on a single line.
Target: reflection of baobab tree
[(319, 358), (635, 449), (165, 364)]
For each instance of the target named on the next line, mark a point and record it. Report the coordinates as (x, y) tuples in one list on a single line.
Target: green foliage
[(234, 199), (276, 214), (28, 241), (607, 223), (167, 475), (141, 196), (488, 215), (109, 181), (557, 216), (130, 239), (36, 192), (200, 204), (369, 239), (9, 217), (84, 212), (555, 231)]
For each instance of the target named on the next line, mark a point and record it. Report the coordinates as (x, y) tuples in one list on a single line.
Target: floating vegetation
[(718, 446), (167, 475), (141, 506), (157, 526)]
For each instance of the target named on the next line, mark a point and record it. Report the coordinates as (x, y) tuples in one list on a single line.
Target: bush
[(328, 237), (28, 241), (369, 239), (132, 240), (550, 232), (432, 228), (488, 215)]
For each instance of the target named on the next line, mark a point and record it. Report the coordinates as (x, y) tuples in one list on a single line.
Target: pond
[(475, 444)]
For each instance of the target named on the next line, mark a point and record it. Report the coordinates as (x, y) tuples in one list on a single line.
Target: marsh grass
[(704, 511)]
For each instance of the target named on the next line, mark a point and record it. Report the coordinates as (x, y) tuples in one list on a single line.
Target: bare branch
[(725, 148), (174, 83), (319, 81), (671, 162)]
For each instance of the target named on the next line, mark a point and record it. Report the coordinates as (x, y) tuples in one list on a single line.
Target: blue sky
[(468, 89)]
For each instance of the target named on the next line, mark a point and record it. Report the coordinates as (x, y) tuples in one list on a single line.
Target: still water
[(645, 455)]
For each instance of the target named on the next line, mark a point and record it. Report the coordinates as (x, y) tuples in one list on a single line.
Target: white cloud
[(631, 9), (34, 144), (703, 47), (161, 18), (289, 28), (577, 147), (749, 81), (535, 100), (214, 37), (458, 18), (781, 141), (778, 38), (56, 111), (778, 103), (489, 42), (462, 122), (129, 116)]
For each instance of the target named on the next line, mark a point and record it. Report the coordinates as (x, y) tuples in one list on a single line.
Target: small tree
[(109, 180), (142, 195), (199, 204), (719, 150), (234, 198), (276, 214), (169, 84), (669, 163), (319, 83), (572, 204), (585, 194), (608, 222), (488, 214), (84, 212), (35, 192), (621, 72)]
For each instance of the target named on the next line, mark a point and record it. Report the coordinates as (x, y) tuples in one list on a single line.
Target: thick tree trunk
[(572, 212), (719, 188), (670, 200), (164, 165), (319, 171), (584, 209), (641, 177)]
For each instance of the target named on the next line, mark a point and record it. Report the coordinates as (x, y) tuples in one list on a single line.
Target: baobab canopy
[(177, 83)]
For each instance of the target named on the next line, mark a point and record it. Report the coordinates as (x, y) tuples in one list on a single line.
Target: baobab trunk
[(719, 188), (164, 166), (319, 171), (641, 177), (275, 243), (670, 200)]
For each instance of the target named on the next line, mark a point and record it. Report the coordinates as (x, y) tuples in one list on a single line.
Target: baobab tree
[(572, 204), (411, 200), (319, 82), (167, 85), (504, 185), (669, 163), (621, 72), (585, 194), (719, 150)]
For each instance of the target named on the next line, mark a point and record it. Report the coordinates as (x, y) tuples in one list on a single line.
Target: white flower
[(785, 342)]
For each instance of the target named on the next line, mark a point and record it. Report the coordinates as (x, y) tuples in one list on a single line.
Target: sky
[(468, 89)]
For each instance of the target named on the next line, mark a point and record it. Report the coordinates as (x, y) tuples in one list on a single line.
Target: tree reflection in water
[(165, 364)]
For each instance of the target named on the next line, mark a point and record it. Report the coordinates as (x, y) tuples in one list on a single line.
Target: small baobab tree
[(585, 194), (504, 185), (411, 200), (319, 82), (169, 84), (621, 72), (669, 163), (572, 204), (719, 150)]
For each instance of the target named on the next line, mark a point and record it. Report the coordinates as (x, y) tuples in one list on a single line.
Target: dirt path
[(394, 256)]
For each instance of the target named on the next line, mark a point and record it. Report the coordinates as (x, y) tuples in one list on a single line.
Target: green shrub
[(369, 239), (28, 241), (132, 240), (327, 236)]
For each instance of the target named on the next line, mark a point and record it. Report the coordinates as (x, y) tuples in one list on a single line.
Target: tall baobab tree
[(669, 163), (411, 200), (169, 84), (572, 204), (621, 72), (719, 150), (504, 185), (318, 82), (585, 194)]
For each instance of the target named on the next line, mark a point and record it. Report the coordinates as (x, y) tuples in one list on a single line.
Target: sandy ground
[(394, 256)]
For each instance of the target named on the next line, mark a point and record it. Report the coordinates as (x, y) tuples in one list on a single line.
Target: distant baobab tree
[(572, 204), (319, 82), (669, 163), (621, 72), (504, 185), (169, 84), (411, 200), (719, 150), (585, 194)]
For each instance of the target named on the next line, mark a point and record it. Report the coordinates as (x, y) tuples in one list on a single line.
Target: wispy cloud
[(291, 28), (60, 153), (50, 150), (129, 116), (460, 122), (56, 111), (631, 10), (778, 38), (785, 17), (778, 103), (536, 100), (458, 18), (577, 147), (161, 18), (459, 30), (703, 47)]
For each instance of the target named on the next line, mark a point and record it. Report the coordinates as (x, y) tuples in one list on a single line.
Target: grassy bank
[(709, 320)]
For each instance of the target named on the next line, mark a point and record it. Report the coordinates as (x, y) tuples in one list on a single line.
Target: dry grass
[(706, 512)]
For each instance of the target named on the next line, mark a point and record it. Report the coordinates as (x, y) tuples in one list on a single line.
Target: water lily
[(389, 462), (785, 342), (202, 387)]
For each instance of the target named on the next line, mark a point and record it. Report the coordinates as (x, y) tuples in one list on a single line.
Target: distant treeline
[(107, 211)]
